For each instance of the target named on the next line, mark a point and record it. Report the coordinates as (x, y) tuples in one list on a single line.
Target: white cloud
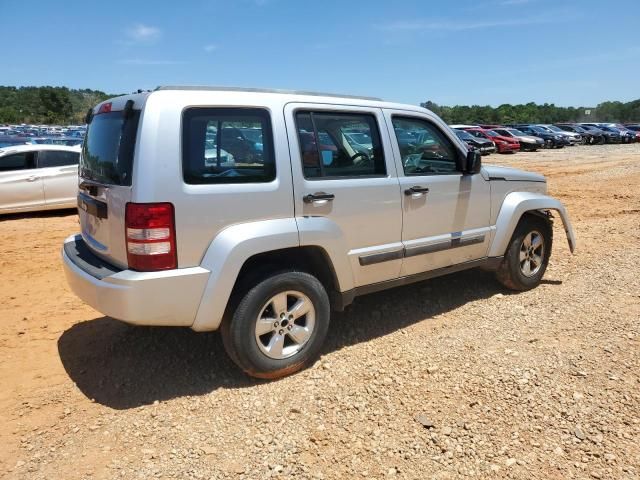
[(142, 33), (210, 47)]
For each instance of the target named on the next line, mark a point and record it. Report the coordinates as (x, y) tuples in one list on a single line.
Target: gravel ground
[(450, 378)]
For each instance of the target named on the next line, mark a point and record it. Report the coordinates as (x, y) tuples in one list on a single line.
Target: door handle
[(318, 197), (416, 190), (32, 178)]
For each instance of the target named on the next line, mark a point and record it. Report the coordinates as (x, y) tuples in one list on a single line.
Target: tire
[(512, 272), (275, 353)]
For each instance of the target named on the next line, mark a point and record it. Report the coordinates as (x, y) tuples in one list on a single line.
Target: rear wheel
[(528, 254), (279, 326)]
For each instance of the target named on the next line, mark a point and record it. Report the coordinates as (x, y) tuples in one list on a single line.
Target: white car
[(301, 223), (38, 177)]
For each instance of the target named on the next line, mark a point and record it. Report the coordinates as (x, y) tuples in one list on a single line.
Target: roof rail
[(263, 90)]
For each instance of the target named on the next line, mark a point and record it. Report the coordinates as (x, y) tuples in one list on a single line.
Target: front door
[(347, 196), (446, 213)]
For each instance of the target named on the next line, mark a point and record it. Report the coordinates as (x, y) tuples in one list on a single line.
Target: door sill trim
[(487, 263)]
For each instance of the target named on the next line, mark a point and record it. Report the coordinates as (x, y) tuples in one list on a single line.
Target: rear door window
[(107, 152), (57, 158), (337, 145), (227, 145)]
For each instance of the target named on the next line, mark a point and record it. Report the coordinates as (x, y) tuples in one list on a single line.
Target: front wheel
[(279, 326), (528, 254)]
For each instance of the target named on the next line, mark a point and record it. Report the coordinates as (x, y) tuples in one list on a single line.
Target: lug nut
[(281, 332), (276, 324), (289, 327)]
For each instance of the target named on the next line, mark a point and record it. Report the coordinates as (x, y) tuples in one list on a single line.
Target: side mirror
[(473, 162)]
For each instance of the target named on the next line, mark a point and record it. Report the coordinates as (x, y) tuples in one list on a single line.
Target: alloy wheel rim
[(285, 324), (531, 253)]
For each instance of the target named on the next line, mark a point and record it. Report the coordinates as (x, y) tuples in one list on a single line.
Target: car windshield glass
[(464, 135), (491, 133), (516, 133), (554, 128), (107, 154)]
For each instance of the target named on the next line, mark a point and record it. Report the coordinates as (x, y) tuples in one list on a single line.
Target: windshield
[(464, 135), (555, 129), (491, 133), (107, 153), (516, 133)]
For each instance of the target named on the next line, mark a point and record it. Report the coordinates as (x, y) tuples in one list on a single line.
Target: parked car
[(482, 145), (503, 144), (574, 138), (264, 251), (591, 138), (551, 140), (38, 177), (11, 140), (622, 136), (632, 135), (634, 128), (528, 143), (609, 136)]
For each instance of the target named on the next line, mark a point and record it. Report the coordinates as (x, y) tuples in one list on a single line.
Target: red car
[(503, 144)]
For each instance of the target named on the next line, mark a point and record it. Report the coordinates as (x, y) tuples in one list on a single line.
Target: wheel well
[(313, 260), (544, 214)]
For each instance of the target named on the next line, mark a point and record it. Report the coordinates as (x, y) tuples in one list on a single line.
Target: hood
[(512, 174)]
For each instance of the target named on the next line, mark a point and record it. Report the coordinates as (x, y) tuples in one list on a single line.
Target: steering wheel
[(365, 158)]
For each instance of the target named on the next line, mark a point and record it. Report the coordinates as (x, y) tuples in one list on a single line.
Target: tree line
[(61, 105), (618, 112), (47, 105)]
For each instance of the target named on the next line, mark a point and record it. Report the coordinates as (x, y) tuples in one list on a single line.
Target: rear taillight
[(151, 236)]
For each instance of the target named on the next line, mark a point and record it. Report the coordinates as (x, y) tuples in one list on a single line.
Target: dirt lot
[(543, 384)]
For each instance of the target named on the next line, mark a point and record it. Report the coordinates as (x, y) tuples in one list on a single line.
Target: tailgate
[(106, 166)]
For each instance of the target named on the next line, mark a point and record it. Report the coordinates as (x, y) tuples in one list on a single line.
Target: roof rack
[(263, 90)]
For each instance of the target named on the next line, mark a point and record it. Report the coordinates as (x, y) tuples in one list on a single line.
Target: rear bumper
[(167, 298)]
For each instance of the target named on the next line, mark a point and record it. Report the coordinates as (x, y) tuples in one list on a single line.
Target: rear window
[(227, 145), (57, 158), (107, 153)]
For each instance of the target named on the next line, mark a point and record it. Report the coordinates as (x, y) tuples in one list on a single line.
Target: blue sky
[(571, 52)]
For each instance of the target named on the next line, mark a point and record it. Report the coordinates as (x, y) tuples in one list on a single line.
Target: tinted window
[(16, 161), (107, 153), (51, 158), (424, 149), (227, 145), (348, 145)]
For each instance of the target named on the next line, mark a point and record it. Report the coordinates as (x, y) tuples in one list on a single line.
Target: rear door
[(344, 172), (59, 172), (20, 182)]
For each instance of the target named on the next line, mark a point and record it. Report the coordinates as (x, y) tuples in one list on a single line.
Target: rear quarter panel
[(202, 212)]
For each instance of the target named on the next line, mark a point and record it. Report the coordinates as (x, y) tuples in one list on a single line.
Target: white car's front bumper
[(165, 298)]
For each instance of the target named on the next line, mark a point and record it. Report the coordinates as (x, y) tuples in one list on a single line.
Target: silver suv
[(258, 212)]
